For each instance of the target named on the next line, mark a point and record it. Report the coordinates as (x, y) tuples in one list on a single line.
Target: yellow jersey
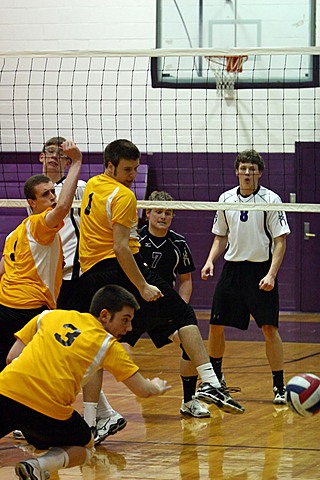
[(63, 350), (105, 202), (33, 261)]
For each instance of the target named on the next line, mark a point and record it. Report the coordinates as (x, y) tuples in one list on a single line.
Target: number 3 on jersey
[(70, 336)]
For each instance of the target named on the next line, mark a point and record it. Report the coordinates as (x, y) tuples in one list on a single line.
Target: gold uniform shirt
[(33, 262), (63, 350), (105, 202)]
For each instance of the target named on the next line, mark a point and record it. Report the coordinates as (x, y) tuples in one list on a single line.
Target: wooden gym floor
[(265, 443)]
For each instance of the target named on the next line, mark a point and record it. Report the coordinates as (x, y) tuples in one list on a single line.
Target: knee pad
[(59, 455)]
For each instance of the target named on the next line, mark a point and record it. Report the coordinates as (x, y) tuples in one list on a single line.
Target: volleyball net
[(190, 112), (167, 103)]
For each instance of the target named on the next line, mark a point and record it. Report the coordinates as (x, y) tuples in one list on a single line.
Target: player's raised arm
[(64, 203)]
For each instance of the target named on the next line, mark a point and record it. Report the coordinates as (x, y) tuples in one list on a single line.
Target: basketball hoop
[(226, 70)]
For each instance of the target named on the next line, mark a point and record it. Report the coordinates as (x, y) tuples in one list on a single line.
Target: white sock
[(54, 459), (207, 374), (90, 413), (104, 409)]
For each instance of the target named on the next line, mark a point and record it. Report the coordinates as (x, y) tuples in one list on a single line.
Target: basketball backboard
[(223, 24)]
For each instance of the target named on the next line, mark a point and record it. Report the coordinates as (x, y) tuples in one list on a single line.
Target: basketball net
[(226, 70)]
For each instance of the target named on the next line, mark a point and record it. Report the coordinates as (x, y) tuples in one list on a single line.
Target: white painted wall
[(95, 103), (77, 24)]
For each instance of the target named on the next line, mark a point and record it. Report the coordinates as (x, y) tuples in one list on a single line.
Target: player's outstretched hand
[(71, 150), (150, 293), (159, 386)]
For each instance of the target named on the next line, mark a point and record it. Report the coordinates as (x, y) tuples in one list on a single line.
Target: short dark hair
[(120, 149), (113, 298), (249, 156), (32, 182), (53, 141)]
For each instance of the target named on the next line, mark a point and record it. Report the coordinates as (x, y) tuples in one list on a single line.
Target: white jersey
[(70, 232), (250, 233)]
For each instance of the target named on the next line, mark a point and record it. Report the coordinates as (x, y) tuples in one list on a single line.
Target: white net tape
[(200, 206)]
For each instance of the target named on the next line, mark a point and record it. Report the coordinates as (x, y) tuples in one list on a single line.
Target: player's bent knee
[(189, 318)]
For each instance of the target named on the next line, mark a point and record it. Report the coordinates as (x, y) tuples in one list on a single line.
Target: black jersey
[(168, 256)]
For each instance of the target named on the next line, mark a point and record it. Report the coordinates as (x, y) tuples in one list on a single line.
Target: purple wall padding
[(186, 176)]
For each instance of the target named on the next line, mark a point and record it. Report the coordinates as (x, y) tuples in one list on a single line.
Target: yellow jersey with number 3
[(63, 350)]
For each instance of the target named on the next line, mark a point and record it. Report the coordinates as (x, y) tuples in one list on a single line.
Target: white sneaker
[(18, 435), (109, 426), (279, 396), (30, 470), (194, 408)]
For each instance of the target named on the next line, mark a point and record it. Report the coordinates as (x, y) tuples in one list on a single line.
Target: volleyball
[(303, 394)]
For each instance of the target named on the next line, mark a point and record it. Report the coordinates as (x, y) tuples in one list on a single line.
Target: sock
[(207, 375), (54, 459), (189, 387), (217, 366), (90, 413), (277, 376), (104, 409)]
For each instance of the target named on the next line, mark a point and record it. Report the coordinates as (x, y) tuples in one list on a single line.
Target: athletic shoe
[(94, 432), (219, 397), (279, 396), (18, 435), (223, 382), (109, 426), (194, 408), (30, 470), (227, 389)]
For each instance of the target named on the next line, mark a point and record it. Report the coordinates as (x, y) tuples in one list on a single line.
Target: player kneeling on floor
[(40, 405)]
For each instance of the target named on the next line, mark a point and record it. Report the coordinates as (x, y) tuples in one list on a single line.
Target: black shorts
[(159, 319), (40, 430), (11, 321), (237, 295), (68, 294)]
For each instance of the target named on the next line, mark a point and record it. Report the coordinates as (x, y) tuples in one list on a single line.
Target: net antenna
[(226, 70)]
